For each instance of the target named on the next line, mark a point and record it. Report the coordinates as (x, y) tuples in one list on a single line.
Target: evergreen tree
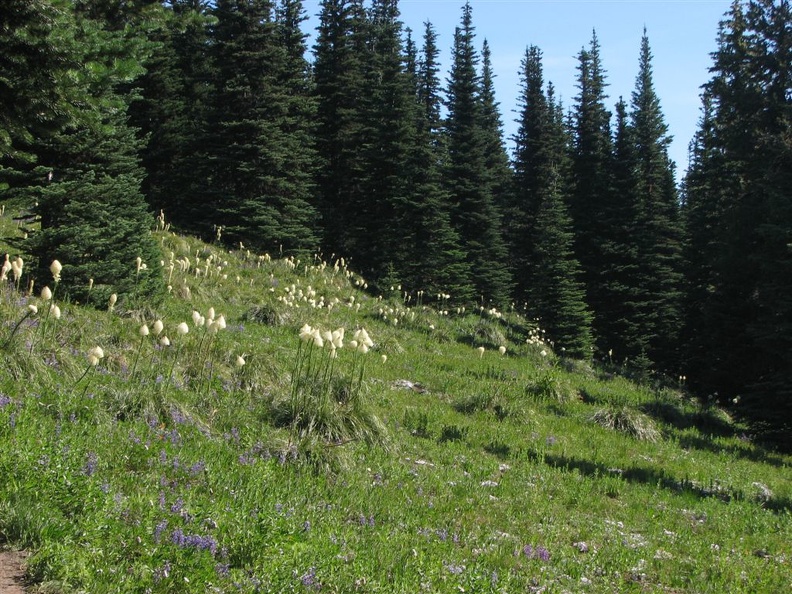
[(737, 207), (619, 330), (37, 45), (171, 114), (342, 60), (658, 232), (258, 189), (92, 213), (496, 158), (591, 174), (555, 293), (438, 264), (530, 157), (475, 214)]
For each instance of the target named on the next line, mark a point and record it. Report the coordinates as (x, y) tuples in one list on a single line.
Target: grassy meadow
[(260, 448)]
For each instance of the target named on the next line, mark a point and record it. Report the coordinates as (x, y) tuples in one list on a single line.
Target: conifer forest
[(222, 116)]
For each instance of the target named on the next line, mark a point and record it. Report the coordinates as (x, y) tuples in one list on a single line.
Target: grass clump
[(626, 419)]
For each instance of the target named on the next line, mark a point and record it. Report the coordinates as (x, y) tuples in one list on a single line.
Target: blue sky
[(682, 35)]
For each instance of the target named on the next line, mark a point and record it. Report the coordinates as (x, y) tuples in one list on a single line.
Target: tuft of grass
[(626, 419)]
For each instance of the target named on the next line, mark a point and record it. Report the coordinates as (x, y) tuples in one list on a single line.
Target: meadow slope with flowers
[(271, 426)]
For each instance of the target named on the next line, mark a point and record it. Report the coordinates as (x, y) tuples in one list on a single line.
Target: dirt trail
[(12, 572)]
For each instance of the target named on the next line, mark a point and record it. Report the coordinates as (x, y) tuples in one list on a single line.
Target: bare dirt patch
[(12, 572)]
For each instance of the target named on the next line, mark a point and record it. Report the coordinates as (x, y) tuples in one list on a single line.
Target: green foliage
[(627, 420)]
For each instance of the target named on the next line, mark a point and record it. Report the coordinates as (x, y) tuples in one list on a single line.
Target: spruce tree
[(592, 176), (92, 213), (739, 184), (658, 232), (555, 293), (258, 188), (530, 156), (475, 214), (342, 60), (438, 263), (171, 113)]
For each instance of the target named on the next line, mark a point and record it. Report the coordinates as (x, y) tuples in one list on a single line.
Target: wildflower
[(480, 351), (217, 325), (210, 315), (337, 338), (317, 338), (164, 341), (6, 268), (32, 309), (543, 353), (55, 269), (95, 354), (157, 327), (182, 329), (197, 318), (46, 294), (138, 264), (240, 361), (144, 330), (55, 311), (90, 283), (113, 299), (306, 333), (384, 358), (502, 350), (16, 268)]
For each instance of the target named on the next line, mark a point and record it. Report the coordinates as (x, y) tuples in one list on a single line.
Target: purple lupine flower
[(90, 464), (177, 506), (5, 400), (159, 529), (162, 572), (454, 569), (308, 579)]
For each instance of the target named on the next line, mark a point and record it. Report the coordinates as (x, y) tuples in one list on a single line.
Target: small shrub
[(417, 423), (627, 420), (550, 387), (498, 448), (264, 314), (452, 433)]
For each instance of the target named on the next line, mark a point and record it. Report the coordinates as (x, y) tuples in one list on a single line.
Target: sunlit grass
[(171, 466)]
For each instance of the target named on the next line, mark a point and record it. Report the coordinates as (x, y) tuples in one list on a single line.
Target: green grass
[(438, 469)]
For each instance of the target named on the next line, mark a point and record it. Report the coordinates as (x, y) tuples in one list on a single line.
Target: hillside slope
[(242, 456)]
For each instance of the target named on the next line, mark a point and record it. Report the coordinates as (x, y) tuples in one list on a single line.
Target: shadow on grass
[(750, 452), (657, 477), (706, 420)]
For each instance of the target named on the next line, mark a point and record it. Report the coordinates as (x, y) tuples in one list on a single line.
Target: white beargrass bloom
[(198, 319), (338, 338), (480, 351), (32, 309), (157, 327), (240, 361), (113, 299), (543, 353), (46, 294), (95, 354), (182, 329), (317, 338), (502, 350), (363, 348), (138, 263), (55, 269), (384, 358), (210, 315), (306, 333), (164, 341), (144, 330), (55, 311), (353, 344)]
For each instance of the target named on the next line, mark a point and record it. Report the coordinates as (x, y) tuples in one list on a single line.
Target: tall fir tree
[(171, 113), (737, 207), (342, 61), (258, 185), (92, 213), (530, 156), (658, 230), (592, 176), (555, 293), (619, 329), (438, 264), (475, 214)]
